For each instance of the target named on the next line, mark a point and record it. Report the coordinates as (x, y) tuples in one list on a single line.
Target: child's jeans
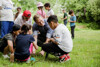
[(72, 31), (65, 22)]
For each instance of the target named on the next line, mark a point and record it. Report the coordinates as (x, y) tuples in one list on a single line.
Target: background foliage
[(87, 11)]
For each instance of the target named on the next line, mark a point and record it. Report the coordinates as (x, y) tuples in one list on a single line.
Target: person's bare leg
[(12, 57), (6, 50), (34, 50)]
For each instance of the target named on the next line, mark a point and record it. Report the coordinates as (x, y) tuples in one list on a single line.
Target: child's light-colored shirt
[(50, 12), (63, 37)]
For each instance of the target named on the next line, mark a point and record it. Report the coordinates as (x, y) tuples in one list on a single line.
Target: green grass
[(85, 53)]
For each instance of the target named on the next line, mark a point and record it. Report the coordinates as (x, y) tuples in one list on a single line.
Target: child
[(18, 12), (72, 22), (61, 44), (23, 43), (7, 42), (41, 11), (65, 17), (50, 11), (24, 18)]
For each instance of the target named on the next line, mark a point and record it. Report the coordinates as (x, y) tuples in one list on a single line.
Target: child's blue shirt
[(73, 18)]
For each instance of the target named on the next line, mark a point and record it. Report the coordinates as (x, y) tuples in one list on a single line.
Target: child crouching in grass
[(61, 44), (23, 43), (7, 42)]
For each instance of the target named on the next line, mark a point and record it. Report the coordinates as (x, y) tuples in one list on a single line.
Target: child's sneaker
[(32, 59), (68, 57), (6, 56), (64, 58)]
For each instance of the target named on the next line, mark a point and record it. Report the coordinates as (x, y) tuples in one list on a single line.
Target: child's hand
[(62, 19), (52, 39), (68, 20)]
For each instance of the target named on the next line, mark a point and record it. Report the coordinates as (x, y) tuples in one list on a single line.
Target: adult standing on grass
[(40, 11), (41, 31), (50, 11), (24, 18), (61, 44), (72, 22), (65, 17), (6, 17)]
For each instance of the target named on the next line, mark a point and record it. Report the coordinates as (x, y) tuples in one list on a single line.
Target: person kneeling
[(7, 43), (61, 44), (24, 41)]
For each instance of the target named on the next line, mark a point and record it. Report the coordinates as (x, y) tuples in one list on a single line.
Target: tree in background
[(86, 10)]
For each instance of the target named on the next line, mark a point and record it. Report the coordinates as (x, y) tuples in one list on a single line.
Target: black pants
[(72, 31), (53, 49), (40, 40)]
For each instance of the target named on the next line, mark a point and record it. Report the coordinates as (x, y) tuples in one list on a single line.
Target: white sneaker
[(6, 56)]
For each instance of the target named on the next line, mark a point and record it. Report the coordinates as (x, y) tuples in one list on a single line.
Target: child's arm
[(47, 16), (36, 47), (47, 40), (65, 18), (72, 21), (35, 37), (53, 40), (10, 45)]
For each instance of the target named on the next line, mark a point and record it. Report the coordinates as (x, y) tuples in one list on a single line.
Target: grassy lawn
[(85, 53)]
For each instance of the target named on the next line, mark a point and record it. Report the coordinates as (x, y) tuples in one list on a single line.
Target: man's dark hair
[(71, 11), (52, 18), (25, 28), (47, 4)]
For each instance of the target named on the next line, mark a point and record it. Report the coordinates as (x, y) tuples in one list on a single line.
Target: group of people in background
[(21, 38)]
